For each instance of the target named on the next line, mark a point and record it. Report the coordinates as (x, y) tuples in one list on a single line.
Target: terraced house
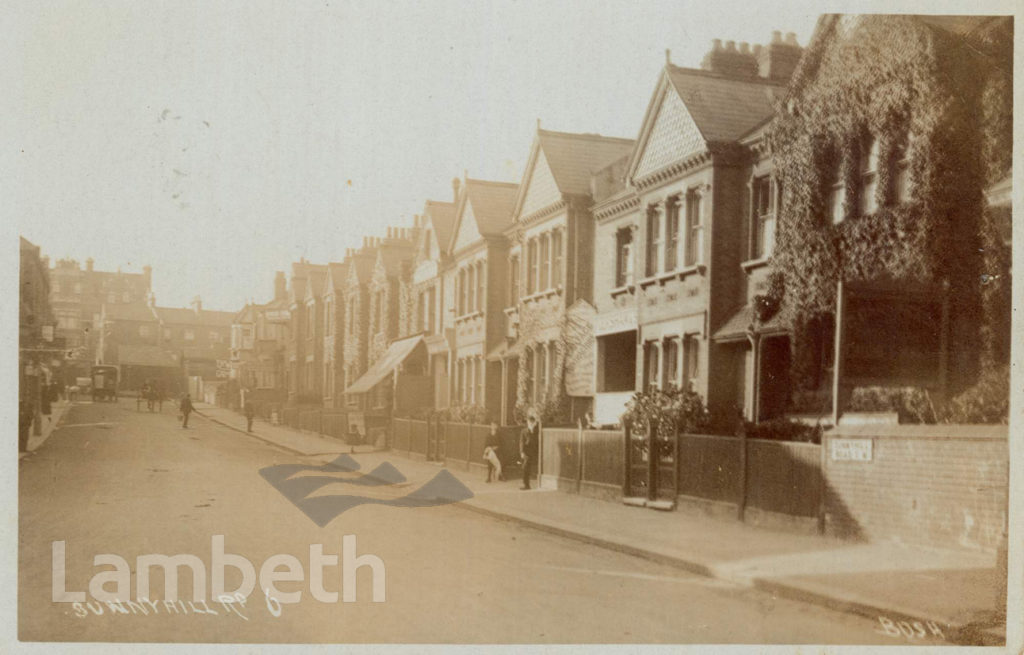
[(432, 259), (549, 360), (677, 228), (479, 251), (300, 356)]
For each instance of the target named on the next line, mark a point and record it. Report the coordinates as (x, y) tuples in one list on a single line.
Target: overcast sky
[(218, 142)]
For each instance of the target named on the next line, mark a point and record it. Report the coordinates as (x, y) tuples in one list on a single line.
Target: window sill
[(758, 262), (542, 294), (509, 311), (662, 278), (467, 317), (626, 288)]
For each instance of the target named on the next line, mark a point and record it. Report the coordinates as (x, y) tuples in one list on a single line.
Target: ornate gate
[(652, 467)]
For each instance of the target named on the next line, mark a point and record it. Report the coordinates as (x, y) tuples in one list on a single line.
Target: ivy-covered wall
[(947, 100)]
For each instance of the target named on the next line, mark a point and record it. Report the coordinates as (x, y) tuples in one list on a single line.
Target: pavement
[(947, 593), (49, 423)]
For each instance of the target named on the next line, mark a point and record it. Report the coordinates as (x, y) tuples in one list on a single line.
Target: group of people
[(529, 449)]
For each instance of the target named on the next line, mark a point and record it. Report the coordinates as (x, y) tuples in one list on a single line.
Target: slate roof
[(442, 217), (492, 204), (735, 329), (724, 108), (573, 158), (135, 311)]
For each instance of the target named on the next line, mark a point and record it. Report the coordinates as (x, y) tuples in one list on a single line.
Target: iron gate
[(652, 467)]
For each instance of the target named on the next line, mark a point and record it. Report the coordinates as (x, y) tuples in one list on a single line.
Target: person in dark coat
[(529, 447), (250, 413), (186, 409)]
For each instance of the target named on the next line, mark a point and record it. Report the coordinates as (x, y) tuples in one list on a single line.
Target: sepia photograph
[(511, 323)]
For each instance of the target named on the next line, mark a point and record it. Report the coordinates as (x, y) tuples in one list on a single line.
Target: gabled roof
[(492, 204), (725, 108), (442, 218), (135, 311), (572, 158), (392, 259), (722, 108), (246, 315), (316, 282), (360, 268)]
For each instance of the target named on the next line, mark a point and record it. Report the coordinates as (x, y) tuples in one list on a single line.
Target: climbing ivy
[(906, 84)]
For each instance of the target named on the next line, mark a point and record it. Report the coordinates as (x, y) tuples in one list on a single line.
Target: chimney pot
[(744, 47), (776, 36), (758, 49), (730, 46), (88, 264), (716, 44), (791, 38)]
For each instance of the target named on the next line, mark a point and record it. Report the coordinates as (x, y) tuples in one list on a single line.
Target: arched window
[(902, 185), (837, 196)]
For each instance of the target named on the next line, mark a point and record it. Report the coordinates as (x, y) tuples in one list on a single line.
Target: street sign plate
[(855, 450)]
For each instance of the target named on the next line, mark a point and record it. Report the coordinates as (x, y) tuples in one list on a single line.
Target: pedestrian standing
[(529, 447), (186, 409), (491, 455), (249, 414), (25, 416)]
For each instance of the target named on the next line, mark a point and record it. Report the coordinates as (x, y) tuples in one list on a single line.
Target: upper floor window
[(672, 236), (545, 261), (653, 241), (190, 335), (531, 266), (694, 229), (480, 286), (902, 186), (624, 257), (868, 177), (837, 197), (471, 289), (764, 202), (513, 281), (556, 258), (652, 352)]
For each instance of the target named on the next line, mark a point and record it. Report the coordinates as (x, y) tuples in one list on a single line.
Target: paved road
[(112, 480)]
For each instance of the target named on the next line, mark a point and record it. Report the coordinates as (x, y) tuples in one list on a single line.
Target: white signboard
[(855, 450)]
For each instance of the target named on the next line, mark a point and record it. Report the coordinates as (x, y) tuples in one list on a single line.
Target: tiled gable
[(542, 190), (673, 135)]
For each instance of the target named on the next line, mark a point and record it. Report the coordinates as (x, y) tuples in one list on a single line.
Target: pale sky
[(218, 142)]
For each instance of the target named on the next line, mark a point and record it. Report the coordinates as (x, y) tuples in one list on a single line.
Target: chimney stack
[(197, 305), (456, 183), (778, 59), (729, 61), (280, 286), (88, 264), (147, 275)]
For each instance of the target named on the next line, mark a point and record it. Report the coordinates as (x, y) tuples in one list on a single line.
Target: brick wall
[(938, 485)]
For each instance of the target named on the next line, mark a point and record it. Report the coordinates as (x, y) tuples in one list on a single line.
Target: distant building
[(78, 295), (37, 348), (258, 337), (299, 357)]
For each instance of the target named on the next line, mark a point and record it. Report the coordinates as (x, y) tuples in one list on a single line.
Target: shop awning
[(735, 329), (396, 353)]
